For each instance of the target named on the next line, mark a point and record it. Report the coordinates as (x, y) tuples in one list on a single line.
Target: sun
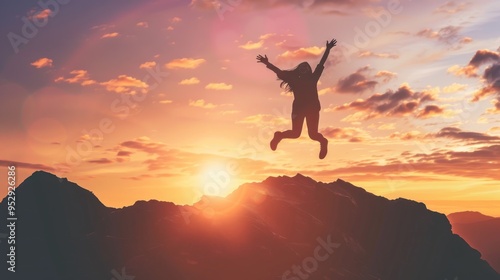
[(216, 179)]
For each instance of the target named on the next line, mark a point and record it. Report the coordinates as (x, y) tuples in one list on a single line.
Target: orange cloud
[(124, 84), (79, 77), (185, 63), (468, 70), (385, 75), (190, 81), (100, 161), (147, 64), (110, 35), (252, 45), (218, 86), (303, 53), (352, 134), (42, 62), (43, 14), (430, 111), (201, 104), (142, 24), (454, 88)]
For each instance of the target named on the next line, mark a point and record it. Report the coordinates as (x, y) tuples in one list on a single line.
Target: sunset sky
[(139, 100)]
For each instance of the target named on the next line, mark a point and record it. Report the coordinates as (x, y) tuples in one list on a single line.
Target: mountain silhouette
[(282, 228), (480, 231)]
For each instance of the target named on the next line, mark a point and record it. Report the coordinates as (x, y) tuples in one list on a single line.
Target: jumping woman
[(302, 82)]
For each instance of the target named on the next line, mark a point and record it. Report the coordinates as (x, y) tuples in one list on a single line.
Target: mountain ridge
[(263, 230)]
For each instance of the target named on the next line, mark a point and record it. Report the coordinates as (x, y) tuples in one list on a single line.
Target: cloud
[(320, 92), (201, 104), (218, 86), (356, 82), (481, 162), (110, 35), (378, 55), (39, 15), (175, 20), (352, 134), (454, 88), (458, 134), (100, 161), (79, 77), (144, 144), (267, 36), (143, 24), (147, 65), (303, 53), (430, 111), (484, 57), (252, 45), (265, 4), (166, 101), (386, 76), (451, 7), (402, 102), (124, 153), (406, 136), (42, 62), (185, 63), (27, 165), (449, 35), (387, 126), (124, 84), (190, 81), (490, 77)]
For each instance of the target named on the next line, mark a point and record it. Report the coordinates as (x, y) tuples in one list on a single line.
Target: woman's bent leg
[(297, 123)]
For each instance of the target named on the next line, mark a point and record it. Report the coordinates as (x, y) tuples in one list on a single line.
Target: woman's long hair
[(290, 75)]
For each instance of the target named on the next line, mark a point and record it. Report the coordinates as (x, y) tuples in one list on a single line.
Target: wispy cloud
[(352, 134), (451, 7), (404, 101), (219, 86), (185, 63), (356, 82), (252, 45), (110, 35), (125, 84), (303, 53), (190, 81), (79, 77), (27, 165), (42, 62), (147, 64), (39, 15), (201, 104)]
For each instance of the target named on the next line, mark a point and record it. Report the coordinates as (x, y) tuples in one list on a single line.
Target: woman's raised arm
[(329, 46), (265, 60)]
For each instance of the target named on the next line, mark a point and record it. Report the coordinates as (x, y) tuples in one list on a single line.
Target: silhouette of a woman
[(302, 82)]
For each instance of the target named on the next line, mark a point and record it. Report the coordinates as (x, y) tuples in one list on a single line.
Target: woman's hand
[(262, 59), (331, 44)]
